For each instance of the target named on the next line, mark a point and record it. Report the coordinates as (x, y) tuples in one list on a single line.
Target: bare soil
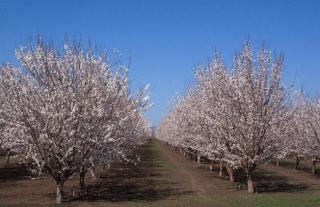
[(164, 177)]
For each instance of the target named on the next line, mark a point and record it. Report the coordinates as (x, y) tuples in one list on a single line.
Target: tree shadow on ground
[(129, 182), (270, 182), (305, 167), (14, 172), (265, 181)]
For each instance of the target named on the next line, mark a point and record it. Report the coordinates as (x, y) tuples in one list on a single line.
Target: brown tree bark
[(8, 154), (297, 162), (250, 183), (93, 173), (82, 175), (230, 173), (314, 165), (211, 166), (81, 183), (221, 169), (59, 198), (278, 164), (198, 159)]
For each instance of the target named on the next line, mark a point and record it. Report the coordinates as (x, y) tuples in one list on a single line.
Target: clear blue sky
[(169, 38)]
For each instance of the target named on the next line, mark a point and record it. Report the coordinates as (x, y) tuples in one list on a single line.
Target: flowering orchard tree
[(238, 112), (258, 106), (214, 83), (9, 141), (291, 142), (307, 119), (69, 106), (299, 136), (313, 130)]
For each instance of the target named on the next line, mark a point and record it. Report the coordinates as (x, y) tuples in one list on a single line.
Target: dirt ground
[(165, 177)]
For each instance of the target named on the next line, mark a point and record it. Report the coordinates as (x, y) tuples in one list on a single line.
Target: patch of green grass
[(282, 200), (156, 158), (164, 165), (239, 200), (244, 199)]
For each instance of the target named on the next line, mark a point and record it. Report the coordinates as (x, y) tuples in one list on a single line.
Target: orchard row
[(244, 116)]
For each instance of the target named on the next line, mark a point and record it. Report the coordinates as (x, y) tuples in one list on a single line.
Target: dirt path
[(202, 181), (189, 178), (196, 177)]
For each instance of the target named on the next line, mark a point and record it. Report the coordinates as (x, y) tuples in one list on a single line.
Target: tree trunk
[(73, 193), (230, 173), (59, 199), (250, 182), (8, 154), (314, 163), (82, 175), (297, 163), (221, 169), (199, 159), (278, 164), (211, 166), (81, 183), (93, 173)]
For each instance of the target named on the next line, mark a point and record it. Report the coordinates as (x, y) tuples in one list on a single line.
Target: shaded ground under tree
[(130, 182), (165, 177)]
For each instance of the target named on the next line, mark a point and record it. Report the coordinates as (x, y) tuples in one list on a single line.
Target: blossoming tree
[(67, 105)]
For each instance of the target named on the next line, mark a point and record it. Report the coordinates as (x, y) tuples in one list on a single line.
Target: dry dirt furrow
[(198, 180)]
